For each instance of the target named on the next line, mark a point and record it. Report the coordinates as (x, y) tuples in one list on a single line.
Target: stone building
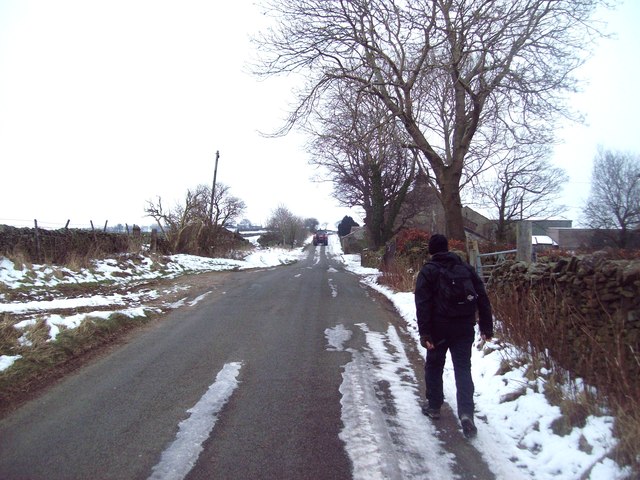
[(589, 239), (423, 210)]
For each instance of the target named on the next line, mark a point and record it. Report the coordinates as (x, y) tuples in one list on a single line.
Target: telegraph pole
[(213, 188)]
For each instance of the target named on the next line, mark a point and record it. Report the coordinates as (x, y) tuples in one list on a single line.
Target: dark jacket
[(426, 291)]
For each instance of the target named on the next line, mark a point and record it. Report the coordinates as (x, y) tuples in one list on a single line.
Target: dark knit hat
[(438, 243)]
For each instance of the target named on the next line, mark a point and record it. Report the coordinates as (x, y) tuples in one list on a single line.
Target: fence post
[(389, 256), (154, 240), (35, 225), (137, 236), (524, 241), (95, 238), (474, 257)]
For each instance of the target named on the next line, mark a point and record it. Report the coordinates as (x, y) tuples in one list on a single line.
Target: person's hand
[(425, 341)]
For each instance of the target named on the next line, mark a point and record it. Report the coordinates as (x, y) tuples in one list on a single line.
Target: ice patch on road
[(198, 299), (178, 304), (385, 434), (337, 337), (334, 289), (180, 457), (365, 434)]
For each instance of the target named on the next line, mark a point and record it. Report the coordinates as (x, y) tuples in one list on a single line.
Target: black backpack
[(456, 295)]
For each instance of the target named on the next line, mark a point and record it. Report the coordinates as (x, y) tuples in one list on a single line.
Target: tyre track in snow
[(385, 433)]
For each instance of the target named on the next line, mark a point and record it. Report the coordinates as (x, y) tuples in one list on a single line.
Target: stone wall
[(354, 242), (57, 246), (584, 311)]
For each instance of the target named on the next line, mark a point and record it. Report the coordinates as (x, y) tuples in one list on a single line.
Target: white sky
[(105, 105), (609, 103)]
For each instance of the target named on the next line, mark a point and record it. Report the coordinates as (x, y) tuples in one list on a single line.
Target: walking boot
[(468, 426)]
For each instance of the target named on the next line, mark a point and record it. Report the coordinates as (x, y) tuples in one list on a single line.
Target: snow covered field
[(514, 437)]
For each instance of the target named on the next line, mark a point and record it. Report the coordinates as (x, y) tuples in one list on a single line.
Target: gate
[(485, 263)]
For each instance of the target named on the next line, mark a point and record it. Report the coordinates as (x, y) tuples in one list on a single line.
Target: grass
[(526, 323), (8, 335), (75, 289), (61, 290), (42, 360), (627, 431), (400, 274), (45, 361)]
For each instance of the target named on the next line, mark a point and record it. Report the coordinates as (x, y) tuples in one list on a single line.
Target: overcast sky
[(107, 104)]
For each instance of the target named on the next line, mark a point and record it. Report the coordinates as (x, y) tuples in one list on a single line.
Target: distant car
[(321, 238)]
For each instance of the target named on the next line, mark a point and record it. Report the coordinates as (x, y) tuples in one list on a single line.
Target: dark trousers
[(458, 339)]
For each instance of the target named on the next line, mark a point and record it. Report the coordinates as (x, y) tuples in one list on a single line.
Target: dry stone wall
[(585, 311), (57, 246)]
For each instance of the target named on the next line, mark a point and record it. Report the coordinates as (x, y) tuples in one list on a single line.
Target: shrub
[(412, 240), (399, 275), (269, 239), (412, 246)]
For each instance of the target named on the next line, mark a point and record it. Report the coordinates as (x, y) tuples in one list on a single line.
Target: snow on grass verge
[(45, 282), (514, 432)]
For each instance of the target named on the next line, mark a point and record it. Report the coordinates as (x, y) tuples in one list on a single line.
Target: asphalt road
[(114, 418)]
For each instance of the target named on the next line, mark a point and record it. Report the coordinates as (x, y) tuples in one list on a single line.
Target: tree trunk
[(623, 237), (452, 204), (447, 177), (501, 226), (377, 211)]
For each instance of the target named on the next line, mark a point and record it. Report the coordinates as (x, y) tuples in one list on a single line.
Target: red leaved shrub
[(412, 240)]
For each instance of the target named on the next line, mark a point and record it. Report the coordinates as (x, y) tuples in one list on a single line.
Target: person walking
[(448, 294)]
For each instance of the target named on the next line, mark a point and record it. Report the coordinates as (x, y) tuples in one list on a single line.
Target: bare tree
[(459, 75), (226, 208), (311, 224), (360, 147), (522, 186), (289, 227), (187, 226), (614, 202), (174, 220)]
